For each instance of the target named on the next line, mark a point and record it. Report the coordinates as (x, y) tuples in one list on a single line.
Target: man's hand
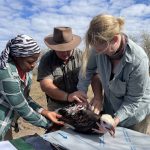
[(53, 116), (77, 96)]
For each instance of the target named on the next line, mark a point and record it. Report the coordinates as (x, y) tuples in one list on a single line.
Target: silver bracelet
[(40, 110), (66, 97)]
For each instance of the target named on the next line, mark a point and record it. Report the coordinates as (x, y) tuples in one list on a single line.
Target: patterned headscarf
[(20, 46)]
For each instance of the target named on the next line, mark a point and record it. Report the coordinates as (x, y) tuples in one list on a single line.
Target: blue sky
[(37, 18)]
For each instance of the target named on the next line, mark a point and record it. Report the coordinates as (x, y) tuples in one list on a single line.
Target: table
[(125, 139)]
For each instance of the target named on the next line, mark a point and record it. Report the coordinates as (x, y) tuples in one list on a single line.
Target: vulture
[(84, 120)]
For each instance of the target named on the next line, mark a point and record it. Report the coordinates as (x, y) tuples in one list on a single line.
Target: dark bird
[(86, 121)]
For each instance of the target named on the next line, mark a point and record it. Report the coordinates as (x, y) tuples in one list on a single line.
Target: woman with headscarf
[(16, 63)]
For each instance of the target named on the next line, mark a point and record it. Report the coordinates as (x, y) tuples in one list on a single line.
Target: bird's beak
[(111, 131)]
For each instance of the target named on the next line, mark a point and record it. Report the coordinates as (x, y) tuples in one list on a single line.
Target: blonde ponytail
[(121, 22)]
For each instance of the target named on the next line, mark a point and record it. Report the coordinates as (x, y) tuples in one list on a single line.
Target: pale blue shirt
[(129, 91)]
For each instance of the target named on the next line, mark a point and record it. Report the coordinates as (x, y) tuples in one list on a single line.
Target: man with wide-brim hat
[(62, 39), (59, 68)]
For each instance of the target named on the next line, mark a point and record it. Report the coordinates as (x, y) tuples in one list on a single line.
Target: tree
[(133, 38), (145, 42)]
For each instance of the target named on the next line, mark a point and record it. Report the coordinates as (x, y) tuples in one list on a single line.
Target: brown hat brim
[(62, 47)]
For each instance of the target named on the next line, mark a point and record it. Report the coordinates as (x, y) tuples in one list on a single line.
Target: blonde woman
[(123, 67)]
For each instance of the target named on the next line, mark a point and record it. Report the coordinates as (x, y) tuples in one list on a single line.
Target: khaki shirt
[(64, 76)]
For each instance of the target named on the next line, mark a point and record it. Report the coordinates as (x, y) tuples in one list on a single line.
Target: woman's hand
[(95, 105), (53, 116), (116, 120), (77, 96)]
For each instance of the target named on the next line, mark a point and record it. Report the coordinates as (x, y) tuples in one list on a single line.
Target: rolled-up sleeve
[(44, 68)]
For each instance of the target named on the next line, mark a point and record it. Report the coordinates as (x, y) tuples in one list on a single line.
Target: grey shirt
[(64, 76), (127, 95)]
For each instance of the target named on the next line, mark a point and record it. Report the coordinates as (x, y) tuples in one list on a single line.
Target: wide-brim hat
[(62, 39)]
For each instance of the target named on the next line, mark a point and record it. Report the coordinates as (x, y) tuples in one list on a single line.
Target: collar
[(21, 73), (129, 56), (120, 52)]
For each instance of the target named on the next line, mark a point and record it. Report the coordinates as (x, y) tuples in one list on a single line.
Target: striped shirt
[(14, 98)]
